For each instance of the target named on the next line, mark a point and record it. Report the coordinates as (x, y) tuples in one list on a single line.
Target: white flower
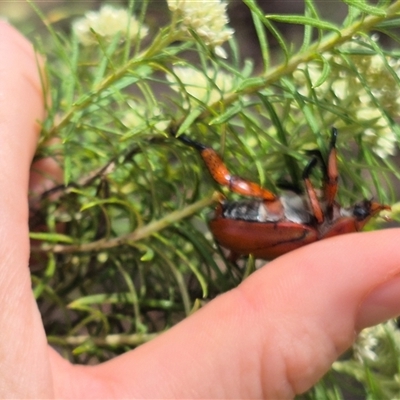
[(366, 344), (376, 343), (386, 144), (347, 91), (366, 114), (207, 18), (107, 23), (376, 65), (141, 117), (341, 88), (207, 88), (380, 134)]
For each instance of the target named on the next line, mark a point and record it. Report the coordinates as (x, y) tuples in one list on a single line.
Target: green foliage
[(124, 252)]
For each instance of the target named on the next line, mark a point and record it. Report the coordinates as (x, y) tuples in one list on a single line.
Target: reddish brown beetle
[(268, 226)]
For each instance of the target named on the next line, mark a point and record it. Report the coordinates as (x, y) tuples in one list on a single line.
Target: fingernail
[(380, 305)]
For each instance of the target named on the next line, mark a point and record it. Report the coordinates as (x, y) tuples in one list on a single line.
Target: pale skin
[(272, 337)]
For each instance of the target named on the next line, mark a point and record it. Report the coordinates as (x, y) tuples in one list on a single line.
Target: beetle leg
[(331, 176), (222, 176), (311, 193)]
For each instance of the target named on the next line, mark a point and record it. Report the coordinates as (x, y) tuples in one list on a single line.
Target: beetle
[(266, 225)]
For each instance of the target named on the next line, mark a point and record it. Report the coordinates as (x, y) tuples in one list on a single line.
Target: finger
[(22, 339), (273, 336)]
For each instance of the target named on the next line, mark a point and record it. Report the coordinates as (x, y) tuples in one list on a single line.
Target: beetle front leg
[(222, 176)]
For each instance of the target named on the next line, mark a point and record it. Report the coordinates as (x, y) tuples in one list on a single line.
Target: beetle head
[(366, 209)]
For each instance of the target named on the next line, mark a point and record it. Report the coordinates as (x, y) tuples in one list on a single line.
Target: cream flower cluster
[(141, 117), (208, 18), (107, 22), (374, 345), (206, 87), (375, 359), (344, 89)]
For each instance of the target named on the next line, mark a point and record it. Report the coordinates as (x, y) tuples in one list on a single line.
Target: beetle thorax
[(289, 207)]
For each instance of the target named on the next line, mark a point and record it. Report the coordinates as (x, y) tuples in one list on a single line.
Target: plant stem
[(136, 235)]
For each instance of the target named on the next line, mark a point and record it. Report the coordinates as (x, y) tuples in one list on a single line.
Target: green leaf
[(304, 105), (303, 20), (282, 135), (100, 202), (363, 6), (310, 11), (148, 255), (326, 70), (262, 39), (227, 115), (50, 237), (49, 273), (189, 120), (67, 166), (257, 12), (250, 83), (389, 24), (118, 298)]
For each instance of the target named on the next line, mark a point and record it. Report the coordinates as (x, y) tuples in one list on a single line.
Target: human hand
[(272, 337)]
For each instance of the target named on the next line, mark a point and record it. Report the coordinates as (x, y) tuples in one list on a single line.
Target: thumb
[(22, 339), (276, 334)]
